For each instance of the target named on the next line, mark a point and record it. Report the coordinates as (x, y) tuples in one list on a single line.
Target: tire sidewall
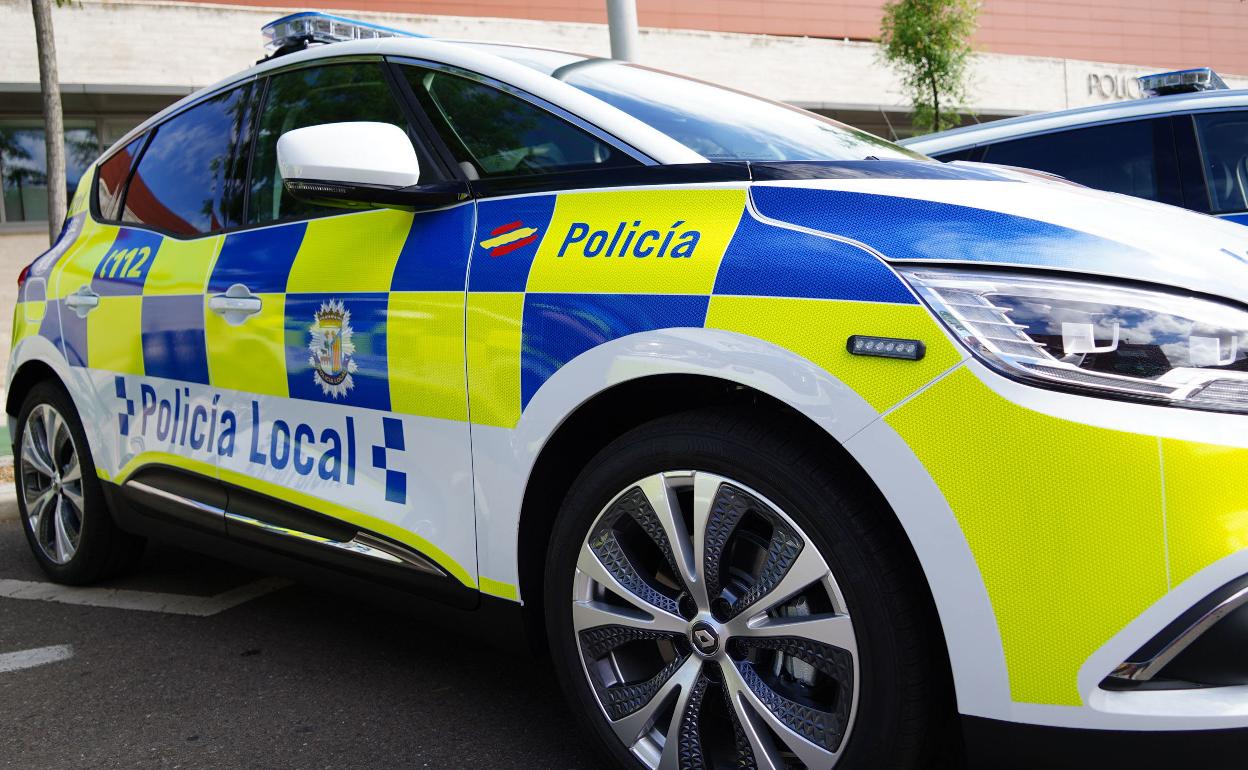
[(833, 525)]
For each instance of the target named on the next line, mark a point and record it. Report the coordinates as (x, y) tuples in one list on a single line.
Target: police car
[(790, 447), (1186, 144)]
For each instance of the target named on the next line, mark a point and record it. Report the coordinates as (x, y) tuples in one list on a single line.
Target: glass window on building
[(24, 167), (1223, 140)]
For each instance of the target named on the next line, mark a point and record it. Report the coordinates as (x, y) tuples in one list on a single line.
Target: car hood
[(942, 214)]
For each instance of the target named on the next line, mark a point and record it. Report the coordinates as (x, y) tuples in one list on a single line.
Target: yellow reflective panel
[(425, 351), (494, 332), (250, 357), (76, 268), (1064, 520), (639, 241), (114, 335), (817, 329), (1206, 504), (351, 253), (182, 267), (498, 588), (27, 317)]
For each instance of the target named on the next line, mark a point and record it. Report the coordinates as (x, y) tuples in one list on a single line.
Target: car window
[(1223, 138), (1132, 158), (112, 176), (337, 93), (493, 133), (186, 181)]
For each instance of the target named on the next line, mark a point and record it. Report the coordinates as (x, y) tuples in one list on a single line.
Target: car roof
[(1047, 122), (474, 56)]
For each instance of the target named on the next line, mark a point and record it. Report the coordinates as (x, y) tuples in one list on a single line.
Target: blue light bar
[(1181, 82), (316, 27)]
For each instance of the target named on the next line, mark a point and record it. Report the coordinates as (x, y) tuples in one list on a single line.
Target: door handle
[(236, 304), (82, 301)]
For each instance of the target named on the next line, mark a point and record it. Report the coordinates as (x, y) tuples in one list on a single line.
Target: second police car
[(793, 448), (1185, 144)]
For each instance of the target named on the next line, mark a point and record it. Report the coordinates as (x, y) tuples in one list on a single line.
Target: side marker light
[(885, 347)]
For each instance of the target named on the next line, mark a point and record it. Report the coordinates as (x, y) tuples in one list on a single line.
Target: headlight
[(1098, 338)]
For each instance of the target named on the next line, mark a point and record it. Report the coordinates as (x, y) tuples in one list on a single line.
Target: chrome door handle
[(82, 301), (236, 304)]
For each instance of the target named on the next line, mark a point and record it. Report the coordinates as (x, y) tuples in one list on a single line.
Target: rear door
[(132, 303), (347, 372)]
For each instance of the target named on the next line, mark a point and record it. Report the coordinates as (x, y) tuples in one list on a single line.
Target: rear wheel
[(715, 600), (66, 520)]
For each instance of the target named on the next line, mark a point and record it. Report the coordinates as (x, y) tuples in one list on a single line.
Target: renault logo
[(705, 638)]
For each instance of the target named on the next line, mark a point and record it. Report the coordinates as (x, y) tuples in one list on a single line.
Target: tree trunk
[(53, 120), (935, 107)]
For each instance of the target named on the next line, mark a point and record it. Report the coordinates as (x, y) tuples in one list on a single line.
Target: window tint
[(186, 181), (337, 93), (1223, 140), (493, 133), (1135, 158), (112, 177)]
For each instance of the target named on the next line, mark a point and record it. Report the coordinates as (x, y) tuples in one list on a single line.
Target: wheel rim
[(711, 630), (52, 484)]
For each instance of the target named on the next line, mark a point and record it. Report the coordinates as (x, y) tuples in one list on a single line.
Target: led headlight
[(1098, 338)]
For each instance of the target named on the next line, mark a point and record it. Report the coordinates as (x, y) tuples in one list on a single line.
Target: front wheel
[(715, 600)]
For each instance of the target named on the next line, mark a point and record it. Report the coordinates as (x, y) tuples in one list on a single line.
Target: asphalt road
[(296, 678)]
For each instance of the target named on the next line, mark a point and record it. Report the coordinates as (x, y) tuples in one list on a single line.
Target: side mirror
[(358, 165)]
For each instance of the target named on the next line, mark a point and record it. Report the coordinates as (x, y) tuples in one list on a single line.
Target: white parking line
[(142, 601), (40, 656)]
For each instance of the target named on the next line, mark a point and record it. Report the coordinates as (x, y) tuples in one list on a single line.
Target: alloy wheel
[(712, 631), (52, 484)]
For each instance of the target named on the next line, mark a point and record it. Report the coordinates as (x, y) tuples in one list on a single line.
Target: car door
[(132, 305), (337, 339), (1222, 149)]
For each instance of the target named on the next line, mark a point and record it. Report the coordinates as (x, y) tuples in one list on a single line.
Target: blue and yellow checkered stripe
[(551, 277)]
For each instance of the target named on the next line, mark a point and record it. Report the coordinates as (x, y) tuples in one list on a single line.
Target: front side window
[(337, 93), (187, 180), (1223, 138), (1134, 158), (494, 134)]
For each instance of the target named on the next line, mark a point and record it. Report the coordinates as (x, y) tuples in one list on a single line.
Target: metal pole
[(622, 22)]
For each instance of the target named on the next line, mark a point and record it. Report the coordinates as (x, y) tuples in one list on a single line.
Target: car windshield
[(715, 122)]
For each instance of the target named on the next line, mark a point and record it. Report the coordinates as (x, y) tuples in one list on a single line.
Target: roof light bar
[(297, 30), (1181, 82)]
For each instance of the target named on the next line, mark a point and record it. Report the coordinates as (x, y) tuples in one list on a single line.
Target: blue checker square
[(123, 419), (506, 266), (63, 327), (435, 254), (258, 259), (396, 481), (173, 338), (336, 349), (123, 267)]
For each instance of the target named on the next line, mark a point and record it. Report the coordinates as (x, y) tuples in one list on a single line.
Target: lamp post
[(622, 23)]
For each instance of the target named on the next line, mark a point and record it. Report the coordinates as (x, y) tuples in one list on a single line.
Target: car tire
[(61, 501), (764, 495)]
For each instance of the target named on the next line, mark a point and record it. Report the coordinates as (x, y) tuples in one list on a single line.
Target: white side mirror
[(348, 154)]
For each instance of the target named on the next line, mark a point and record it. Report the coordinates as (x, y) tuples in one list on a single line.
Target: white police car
[(791, 447), (1186, 144)]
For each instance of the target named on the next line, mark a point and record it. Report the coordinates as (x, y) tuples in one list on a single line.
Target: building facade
[(122, 60)]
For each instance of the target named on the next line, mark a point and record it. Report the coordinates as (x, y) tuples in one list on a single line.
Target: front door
[(337, 339)]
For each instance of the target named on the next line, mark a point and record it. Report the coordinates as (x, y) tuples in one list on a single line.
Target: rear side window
[(1134, 158), (493, 133), (1223, 138), (337, 93), (187, 182), (112, 176)]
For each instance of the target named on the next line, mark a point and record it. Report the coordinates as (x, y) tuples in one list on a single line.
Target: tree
[(929, 43), (53, 119)]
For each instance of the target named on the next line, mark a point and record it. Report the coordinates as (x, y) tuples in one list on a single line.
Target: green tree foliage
[(928, 42)]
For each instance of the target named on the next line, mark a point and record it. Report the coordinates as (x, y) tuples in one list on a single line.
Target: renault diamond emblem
[(704, 638)]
